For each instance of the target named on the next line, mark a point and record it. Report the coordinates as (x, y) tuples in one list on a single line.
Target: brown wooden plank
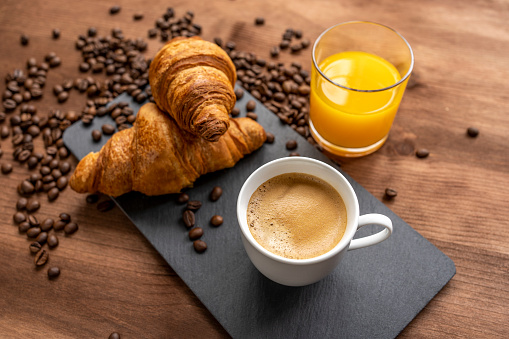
[(113, 280)]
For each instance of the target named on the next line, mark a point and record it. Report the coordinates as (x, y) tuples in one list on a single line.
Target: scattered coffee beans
[(23, 227), (53, 272), (216, 220), (105, 206), (195, 233), (55, 33), (194, 205), (92, 198), (52, 241), (19, 217), (6, 168), (291, 145), (24, 39), (183, 198), (472, 132), (71, 228), (422, 153), (216, 193), (199, 246), (41, 258), (259, 21), (270, 138), (189, 218), (115, 9), (390, 193)]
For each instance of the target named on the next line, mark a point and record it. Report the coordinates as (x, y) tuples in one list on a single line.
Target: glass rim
[(404, 78)]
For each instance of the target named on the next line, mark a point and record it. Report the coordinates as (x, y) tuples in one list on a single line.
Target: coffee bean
[(56, 174), (32, 162), (115, 9), (64, 167), (96, 135), (35, 247), (59, 225), (24, 39), (19, 217), (33, 232), (55, 33), (62, 183), (65, 217), (62, 97), (92, 32), (216, 220), (239, 93), (53, 194), (183, 198), (23, 227), (274, 51), (252, 115), (21, 204), (199, 246), (189, 218), (270, 138), (250, 105), (105, 206), (422, 153), (32, 220), (42, 238), (6, 168), (114, 335), (52, 241), (235, 112), (4, 132), (472, 132), (216, 193), (195, 233), (291, 144), (194, 205), (259, 21), (41, 258), (53, 272), (108, 129), (71, 228), (390, 193), (33, 206), (47, 224), (137, 16), (92, 198)]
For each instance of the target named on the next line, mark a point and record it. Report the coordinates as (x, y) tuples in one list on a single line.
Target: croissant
[(156, 157), (192, 80)]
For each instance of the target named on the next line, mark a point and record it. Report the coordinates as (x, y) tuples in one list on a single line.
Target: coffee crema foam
[(296, 216)]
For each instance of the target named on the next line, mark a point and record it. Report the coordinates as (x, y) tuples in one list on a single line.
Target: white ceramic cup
[(300, 272)]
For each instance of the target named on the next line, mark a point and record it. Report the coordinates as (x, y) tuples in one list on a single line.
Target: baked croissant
[(156, 157), (192, 80)]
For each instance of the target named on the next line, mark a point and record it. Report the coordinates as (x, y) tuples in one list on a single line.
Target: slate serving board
[(374, 293)]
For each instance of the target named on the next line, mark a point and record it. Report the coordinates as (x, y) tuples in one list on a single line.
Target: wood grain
[(113, 280)]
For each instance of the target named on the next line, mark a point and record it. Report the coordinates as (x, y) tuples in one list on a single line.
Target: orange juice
[(348, 118)]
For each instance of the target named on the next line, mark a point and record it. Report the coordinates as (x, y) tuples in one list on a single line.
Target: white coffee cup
[(300, 272)]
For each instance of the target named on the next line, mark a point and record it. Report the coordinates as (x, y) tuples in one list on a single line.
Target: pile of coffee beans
[(168, 26), (288, 42)]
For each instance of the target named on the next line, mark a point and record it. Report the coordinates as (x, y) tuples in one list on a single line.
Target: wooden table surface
[(112, 279)]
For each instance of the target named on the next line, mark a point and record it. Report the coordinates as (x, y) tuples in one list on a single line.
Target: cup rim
[(404, 78), (340, 246)]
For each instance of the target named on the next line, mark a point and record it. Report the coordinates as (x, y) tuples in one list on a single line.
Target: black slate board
[(374, 293)]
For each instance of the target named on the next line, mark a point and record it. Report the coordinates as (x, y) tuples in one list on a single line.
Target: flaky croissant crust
[(192, 80), (156, 157)]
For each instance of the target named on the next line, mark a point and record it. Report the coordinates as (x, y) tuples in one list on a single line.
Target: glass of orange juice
[(359, 74)]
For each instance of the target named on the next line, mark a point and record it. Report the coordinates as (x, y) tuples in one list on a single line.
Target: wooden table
[(113, 280)]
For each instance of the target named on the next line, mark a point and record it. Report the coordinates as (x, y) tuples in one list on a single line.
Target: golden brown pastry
[(192, 80), (156, 157)]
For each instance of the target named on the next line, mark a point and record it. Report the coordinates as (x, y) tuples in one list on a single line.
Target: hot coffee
[(297, 216)]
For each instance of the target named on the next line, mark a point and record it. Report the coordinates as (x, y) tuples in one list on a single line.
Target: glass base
[(345, 151)]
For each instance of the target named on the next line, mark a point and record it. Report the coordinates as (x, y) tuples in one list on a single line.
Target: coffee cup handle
[(370, 219)]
